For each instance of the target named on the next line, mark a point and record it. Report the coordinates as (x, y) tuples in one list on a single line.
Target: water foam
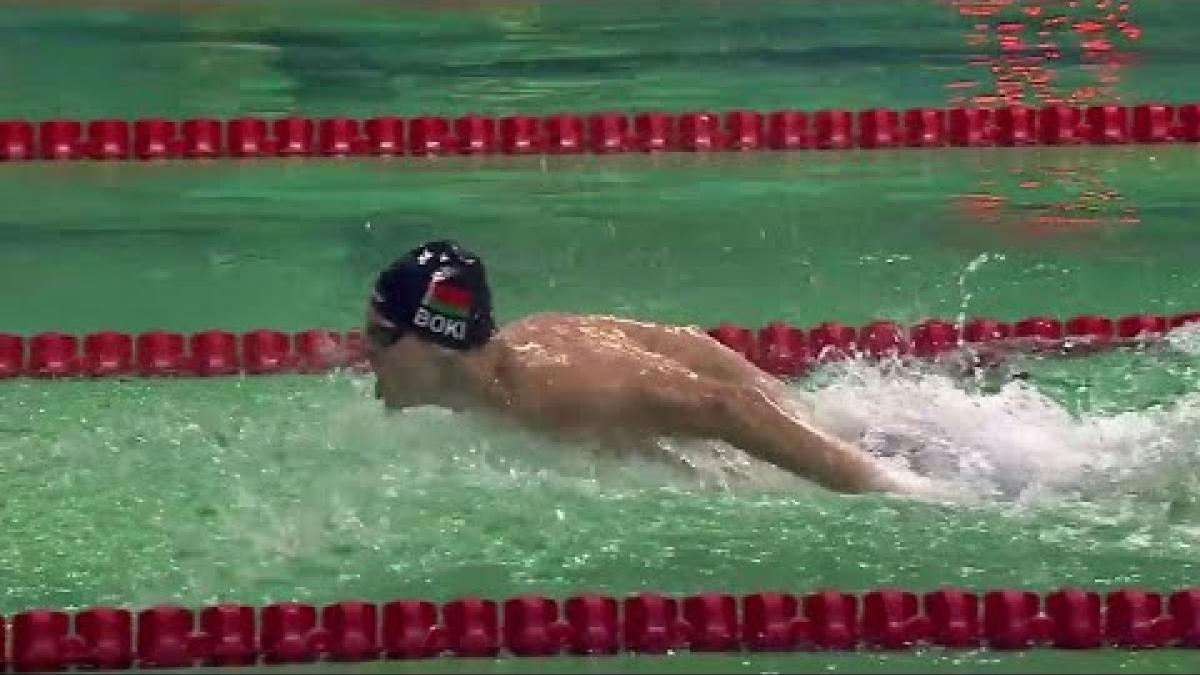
[(1014, 442)]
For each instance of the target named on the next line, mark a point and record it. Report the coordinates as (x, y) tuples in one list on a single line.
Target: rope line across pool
[(649, 623), (778, 348), (598, 133)]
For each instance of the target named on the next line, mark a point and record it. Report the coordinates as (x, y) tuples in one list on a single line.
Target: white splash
[(1014, 443)]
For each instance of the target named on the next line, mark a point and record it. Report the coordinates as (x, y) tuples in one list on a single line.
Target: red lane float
[(226, 636), (17, 141), (778, 348), (202, 139), (411, 631), (743, 130), (168, 636), (12, 355), (593, 624), (155, 139), (107, 354), (924, 127), (385, 136), (609, 133), (1054, 124)]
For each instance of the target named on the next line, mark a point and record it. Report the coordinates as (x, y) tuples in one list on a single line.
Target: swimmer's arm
[(748, 419)]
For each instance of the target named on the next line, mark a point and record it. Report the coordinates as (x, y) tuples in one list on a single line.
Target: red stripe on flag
[(452, 295)]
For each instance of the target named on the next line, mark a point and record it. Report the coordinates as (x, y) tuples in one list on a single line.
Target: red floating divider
[(12, 355), (879, 128), (1075, 617), (933, 337), (38, 641), (700, 131), (108, 139), (654, 132), (1059, 124), (214, 352), (782, 350), (531, 626), (954, 618), (318, 351), (227, 635), (339, 137), (385, 136), (351, 631), (771, 623), (430, 136), (1013, 620), (160, 353), (986, 330), (60, 139), (266, 351), (743, 130), (788, 130), (1090, 327), (969, 126), (833, 619), (892, 620), (520, 135), (1184, 319), (475, 135), (1153, 123), (882, 338), (1134, 620), (925, 127), (1015, 125), (293, 137), (16, 141), (155, 139), (1107, 124), (1188, 129), (831, 340), (1039, 327), (471, 627), (652, 624), (411, 630), (609, 133), (202, 139), (777, 348), (1141, 325), (1184, 607), (107, 353), (106, 638), (1053, 124), (247, 137), (737, 338), (833, 129), (563, 134), (712, 622), (593, 625), (289, 633), (53, 355), (164, 637)]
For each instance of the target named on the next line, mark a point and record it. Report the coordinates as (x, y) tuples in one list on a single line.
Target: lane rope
[(171, 636), (597, 133), (778, 348)]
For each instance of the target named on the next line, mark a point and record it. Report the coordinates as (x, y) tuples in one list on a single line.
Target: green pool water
[(298, 487)]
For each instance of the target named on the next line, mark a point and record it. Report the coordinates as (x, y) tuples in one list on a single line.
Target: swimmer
[(431, 340)]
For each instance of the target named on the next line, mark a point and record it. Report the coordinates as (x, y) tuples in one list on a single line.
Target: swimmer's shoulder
[(543, 321)]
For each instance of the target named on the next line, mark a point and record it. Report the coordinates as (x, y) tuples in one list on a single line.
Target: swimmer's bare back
[(609, 375)]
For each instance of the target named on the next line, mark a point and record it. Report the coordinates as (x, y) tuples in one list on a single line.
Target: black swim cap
[(438, 291)]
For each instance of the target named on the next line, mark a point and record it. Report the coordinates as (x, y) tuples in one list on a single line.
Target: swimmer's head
[(437, 292)]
